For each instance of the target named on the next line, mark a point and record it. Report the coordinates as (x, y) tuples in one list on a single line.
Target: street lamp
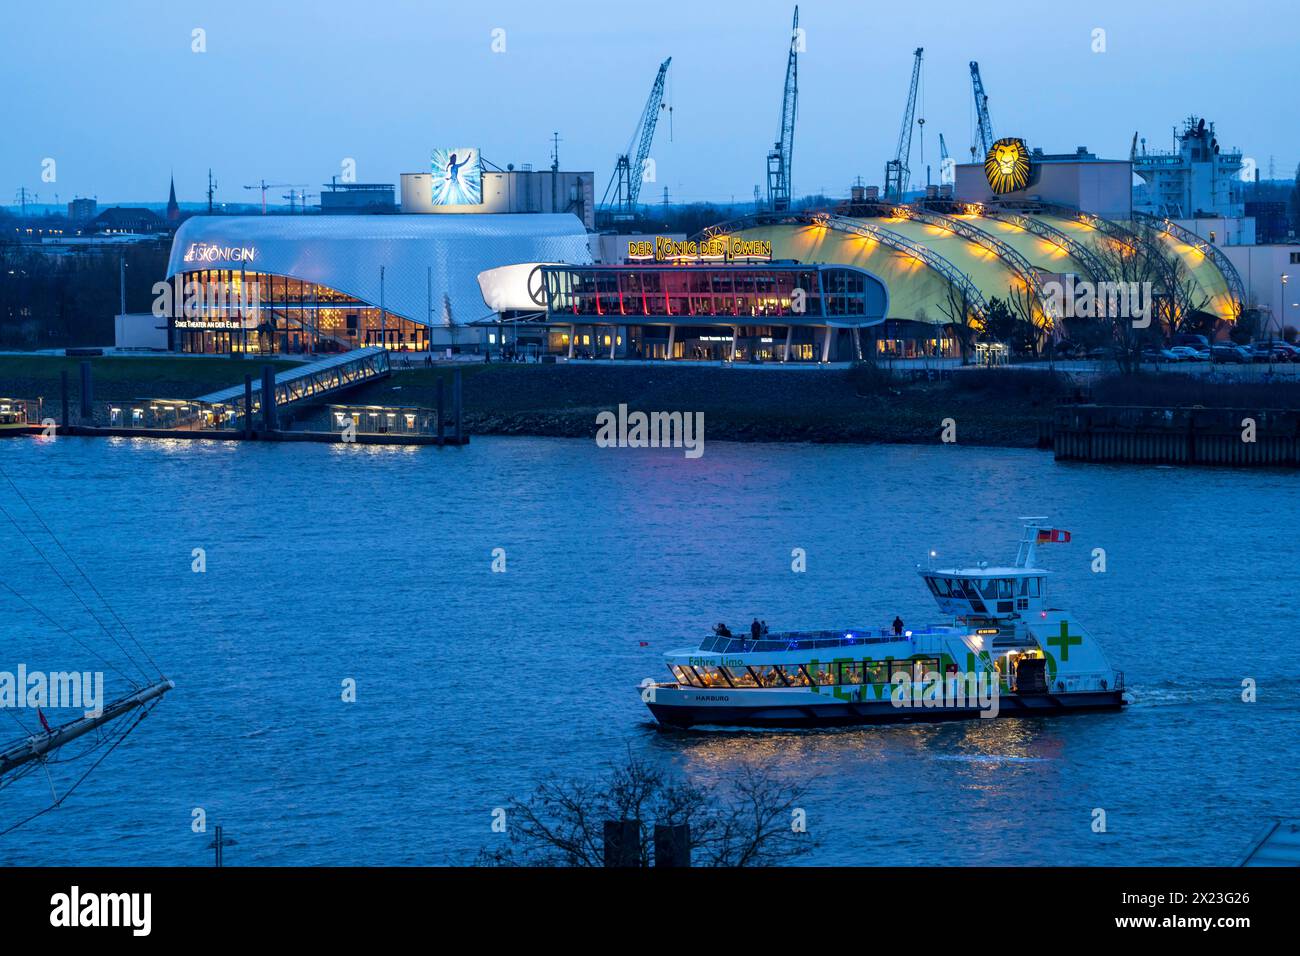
[(1281, 322)]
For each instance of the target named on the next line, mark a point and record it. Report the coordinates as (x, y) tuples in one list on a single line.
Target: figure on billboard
[(457, 177)]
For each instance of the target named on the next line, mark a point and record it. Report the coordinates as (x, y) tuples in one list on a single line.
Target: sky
[(115, 94)]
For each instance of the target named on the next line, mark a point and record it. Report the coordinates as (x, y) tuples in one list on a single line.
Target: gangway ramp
[(314, 380)]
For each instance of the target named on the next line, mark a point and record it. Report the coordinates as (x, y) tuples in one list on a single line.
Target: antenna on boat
[(1027, 552)]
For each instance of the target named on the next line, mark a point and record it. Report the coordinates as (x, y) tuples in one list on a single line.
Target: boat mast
[(1027, 553), (37, 746)]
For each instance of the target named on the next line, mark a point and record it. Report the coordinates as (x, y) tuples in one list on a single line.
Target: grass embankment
[(990, 406), (123, 379), (824, 405)]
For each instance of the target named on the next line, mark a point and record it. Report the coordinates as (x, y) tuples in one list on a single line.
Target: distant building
[(127, 219), (1103, 187), (357, 198), (81, 210), (510, 191), (1271, 275), (173, 209), (1193, 181), (1272, 223)]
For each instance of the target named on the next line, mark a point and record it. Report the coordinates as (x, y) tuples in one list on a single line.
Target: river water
[(327, 563)]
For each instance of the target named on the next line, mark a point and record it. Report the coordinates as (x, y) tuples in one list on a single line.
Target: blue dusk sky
[(286, 90)]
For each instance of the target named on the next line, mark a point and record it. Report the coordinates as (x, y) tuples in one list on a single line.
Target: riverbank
[(994, 407), (826, 405)]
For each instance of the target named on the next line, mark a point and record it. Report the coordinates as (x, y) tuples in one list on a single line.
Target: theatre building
[(293, 284), (770, 312)]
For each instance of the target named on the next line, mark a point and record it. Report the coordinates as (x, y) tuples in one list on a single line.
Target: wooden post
[(622, 843), (441, 429), (87, 394), (457, 403), (673, 845), (269, 419), (248, 406), (217, 846)]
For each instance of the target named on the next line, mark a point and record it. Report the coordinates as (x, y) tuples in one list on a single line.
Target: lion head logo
[(1007, 165)]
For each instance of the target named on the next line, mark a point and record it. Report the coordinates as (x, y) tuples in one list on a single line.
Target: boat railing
[(1097, 680), (805, 640)]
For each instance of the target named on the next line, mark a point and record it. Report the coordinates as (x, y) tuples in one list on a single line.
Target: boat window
[(989, 588), (899, 667), (1035, 585), (821, 674), (795, 675), (1006, 588), (767, 675), (741, 677), (1024, 587), (711, 677), (874, 672), (683, 675), (850, 672)]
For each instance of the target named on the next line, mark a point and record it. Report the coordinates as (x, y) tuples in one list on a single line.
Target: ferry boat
[(1005, 652)]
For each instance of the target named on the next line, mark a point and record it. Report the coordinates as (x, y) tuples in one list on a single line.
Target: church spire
[(173, 210)]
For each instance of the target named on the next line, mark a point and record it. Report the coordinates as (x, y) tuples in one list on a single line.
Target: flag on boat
[(1053, 536)]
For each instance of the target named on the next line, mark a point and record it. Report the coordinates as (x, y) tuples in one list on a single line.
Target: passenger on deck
[(721, 630), (898, 626), (764, 625), (756, 630)]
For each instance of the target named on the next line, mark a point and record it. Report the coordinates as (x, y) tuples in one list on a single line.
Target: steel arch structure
[(857, 227), (1236, 288)]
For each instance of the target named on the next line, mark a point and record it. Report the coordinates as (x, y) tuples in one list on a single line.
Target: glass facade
[(706, 312), (801, 294), (224, 311)]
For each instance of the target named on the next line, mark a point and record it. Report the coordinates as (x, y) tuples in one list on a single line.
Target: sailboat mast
[(37, 746)]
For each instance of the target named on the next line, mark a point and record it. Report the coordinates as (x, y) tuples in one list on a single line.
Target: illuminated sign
[(1007, 165), (211, 252), (664, 248), (457, 178)]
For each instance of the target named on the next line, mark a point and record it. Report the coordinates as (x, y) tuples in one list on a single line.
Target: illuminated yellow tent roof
[(921, 257)]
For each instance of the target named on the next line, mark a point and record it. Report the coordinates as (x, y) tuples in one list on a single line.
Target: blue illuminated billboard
[(457, 178)]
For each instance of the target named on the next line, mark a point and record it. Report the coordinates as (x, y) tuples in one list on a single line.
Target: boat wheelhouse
[(1005, 651)]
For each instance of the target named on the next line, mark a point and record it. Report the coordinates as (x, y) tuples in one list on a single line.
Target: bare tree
[(747, 824), (962, 319)]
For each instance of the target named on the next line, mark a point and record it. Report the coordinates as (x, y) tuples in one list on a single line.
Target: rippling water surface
[(330, 562)]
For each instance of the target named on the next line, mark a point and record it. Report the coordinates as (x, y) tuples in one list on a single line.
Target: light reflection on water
[(328, 562)]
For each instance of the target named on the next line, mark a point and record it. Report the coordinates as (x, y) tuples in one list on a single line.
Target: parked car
[(1187, 353), (1160, 355), (1231, 354), (1197, 342), (1275, 352)]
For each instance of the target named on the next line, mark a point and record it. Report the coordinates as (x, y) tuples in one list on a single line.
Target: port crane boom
[(781, 156), (896, 170), (984, 141), (625, 188)]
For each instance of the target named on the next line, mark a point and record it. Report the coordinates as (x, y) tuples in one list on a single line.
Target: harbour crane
[(294, 198), (897, 170), (263, 185), (985, 132), (781, 156), (945, 162), (624, 188)]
